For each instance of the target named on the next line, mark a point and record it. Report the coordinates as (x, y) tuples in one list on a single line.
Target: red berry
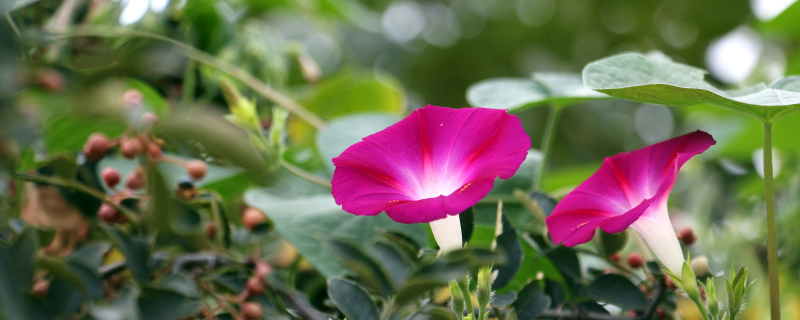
[(154, 151), (211, 230), (687, 236), (121, 218), (132, 98), (660, 313), (262, 269), (96, 147), (255, 286), (614, 257), (670, 284), (131, 147), (107, 213), (635, 260), (252, 310), (40, 288), (135, 181), (196, 169), (111, 176), (51, 80), (251, 217)]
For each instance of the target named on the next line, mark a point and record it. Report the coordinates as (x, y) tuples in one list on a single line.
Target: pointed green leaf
[(352, 300), (617, 290)]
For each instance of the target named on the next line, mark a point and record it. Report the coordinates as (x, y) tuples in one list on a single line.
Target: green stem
[(499, 315), (547, 146), (772, 238), (189, 81), (463, 284), (305, 174), (132, 217), (205, 58)]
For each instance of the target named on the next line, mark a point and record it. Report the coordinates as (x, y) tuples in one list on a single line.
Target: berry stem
[(132, 217)]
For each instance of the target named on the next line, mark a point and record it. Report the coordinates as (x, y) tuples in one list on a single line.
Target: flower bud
[(614, 257), (635, 260), (700, 267), (660, 313), (252, 310), (457, 298), (111, 176), (196, 169), (484, 285), (687, 236)]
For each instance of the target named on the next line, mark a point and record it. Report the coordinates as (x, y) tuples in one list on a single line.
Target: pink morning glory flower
[(630, 190), (430, 166)]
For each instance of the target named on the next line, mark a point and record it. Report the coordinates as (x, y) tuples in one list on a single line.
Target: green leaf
[(180, 283), (303, 219), (352, 300), (124, 307), (160, 304), (346, 131), (13, 304), (617, 290), (368, 270), (517, 94), (522, 178), (90, 255), (530, 267), (396, 264), (508, 243), (445, 269), (503, 299), (59, 268), (657, 80), (14, 5), (531, 301), (135, 251)]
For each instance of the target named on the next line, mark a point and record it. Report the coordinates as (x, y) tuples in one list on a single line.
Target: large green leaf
[(303, 219), (352, 300), (617, 290), (656, 79), (346, 131), (531, 301), (517, 94)]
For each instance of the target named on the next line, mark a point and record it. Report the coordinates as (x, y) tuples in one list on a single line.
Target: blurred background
[(339, 57)]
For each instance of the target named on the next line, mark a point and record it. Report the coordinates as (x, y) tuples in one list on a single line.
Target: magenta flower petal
[(629, 190), (434, 163)]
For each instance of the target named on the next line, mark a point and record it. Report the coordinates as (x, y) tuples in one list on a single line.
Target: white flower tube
[(447, 233), (661, 239)]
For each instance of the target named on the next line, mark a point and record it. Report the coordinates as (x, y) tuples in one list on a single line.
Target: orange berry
[(196, 169), (107, 213), (251, 217), (96, 147), (135, 181), (614, 257)]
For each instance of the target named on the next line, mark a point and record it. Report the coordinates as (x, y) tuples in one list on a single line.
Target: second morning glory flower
[(630, 190), (430, 166)]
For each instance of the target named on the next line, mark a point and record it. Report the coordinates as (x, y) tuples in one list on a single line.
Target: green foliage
[(558, 89), (656, 79), (617, 290)]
